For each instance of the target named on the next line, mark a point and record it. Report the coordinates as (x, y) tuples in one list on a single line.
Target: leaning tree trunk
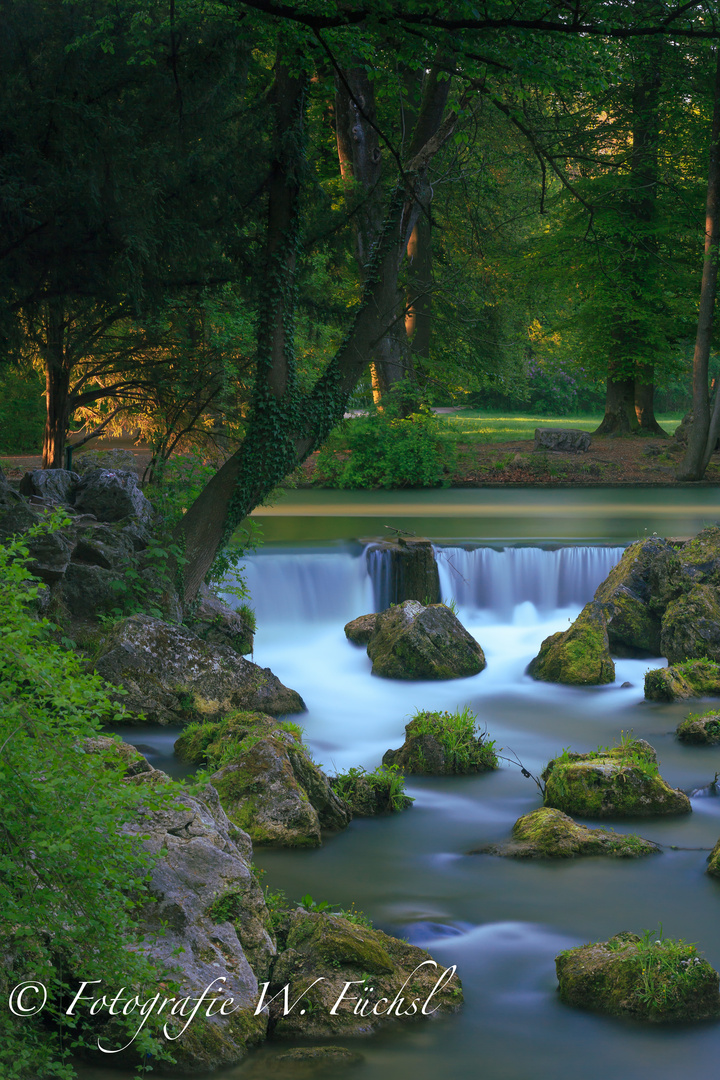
[(285, 425), (704, 430), (57, 387)]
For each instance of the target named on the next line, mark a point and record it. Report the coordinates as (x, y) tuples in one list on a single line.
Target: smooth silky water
[(501, 921)]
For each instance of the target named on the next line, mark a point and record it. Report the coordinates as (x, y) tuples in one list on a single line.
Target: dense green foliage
[(464, 747), (22, 412), (69, 879)]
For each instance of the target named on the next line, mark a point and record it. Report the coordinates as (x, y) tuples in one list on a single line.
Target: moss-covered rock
[(713, 867), (409, 570), (442, 744), (367, 794), (267, 782), (389, 979), (303, 1063), (360, 630), (700, 729), (693, 678), (579, 656), (617, 782), (691, 626), (651, 981), (215, 622), (633, 624), (415, 642), (171, 676), (549, 834)]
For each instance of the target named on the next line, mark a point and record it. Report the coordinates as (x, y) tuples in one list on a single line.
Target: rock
[(691, 626), (713, 867), (436, 744), (407, 571), (268, 784), (633, 623), (52, 485), (655, 982), (171, 676), (206, 921), (549, 834), (695, 678), (107, 546), (214, 621), (612, 783), (700, 730), (579, 656), (119, 753), (113, 460), (112, 496), (360, 630), (415, 642), (335, 951), (368, 794), (89, 591), (303, 1063), (16, 518), (50, 555), (569, 439)]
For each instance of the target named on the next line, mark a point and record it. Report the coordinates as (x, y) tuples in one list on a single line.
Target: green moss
[(700, 728), (548, 833), (579, 656), (464, 748), (692, 678), (332, 938)]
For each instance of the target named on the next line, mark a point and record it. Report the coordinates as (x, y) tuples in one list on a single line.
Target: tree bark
[(620, 417), (704, 430), (285, 426), (57, 387)]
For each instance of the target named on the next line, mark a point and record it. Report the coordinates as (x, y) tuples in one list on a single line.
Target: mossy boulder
[(700, 729), (267, 782), (547, 833), (367, 794), (171, 676), (409, 571), (713, 867), (395, 979), (304, 1063), (633, 623), (691, 626), (443, 744), (693, 678), (655, 982), (579, 656), (214, 621), (360, 630), (617, 782), (411, 641)]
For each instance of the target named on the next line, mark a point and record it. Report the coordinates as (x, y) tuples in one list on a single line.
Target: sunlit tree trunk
[(57, 387)]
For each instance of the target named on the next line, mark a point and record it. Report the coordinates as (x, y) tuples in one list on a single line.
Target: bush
[(465, 749), (385, 450), (69, 879), (22, 412)]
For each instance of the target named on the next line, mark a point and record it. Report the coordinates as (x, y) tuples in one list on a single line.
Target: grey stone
[(88, 591), (207, 922), (114, 460), (50, 555), (172, 676), (112, 496), (568, 439), (360, 630), (215, 622), (52, 485)]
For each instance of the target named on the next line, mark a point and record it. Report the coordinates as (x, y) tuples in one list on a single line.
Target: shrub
[(464, 747), (377, 792), (69, 879), (385, 450)]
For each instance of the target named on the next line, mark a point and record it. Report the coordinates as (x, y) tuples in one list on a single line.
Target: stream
[(501, 921)]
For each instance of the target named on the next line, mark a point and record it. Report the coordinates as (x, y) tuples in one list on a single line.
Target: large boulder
[(360, 630), (171, 676), (571, 440), (627, 596), (112, 496), (415, 642), (713, 867), (52, 485), (443, 744), (404, 569), (205, 922), (617, 782), (579, 656), (267, 782), (549, 834), (657, 982), (114, 459), (695, 678), (700, 729), (691, 626), (388, 979)]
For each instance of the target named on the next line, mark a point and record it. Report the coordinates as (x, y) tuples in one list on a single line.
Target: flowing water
[(501, 921)]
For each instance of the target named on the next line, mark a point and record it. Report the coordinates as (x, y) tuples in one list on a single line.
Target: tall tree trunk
[(57, 387), (704, 430), (645, 400), (620, 417), (284, 425), (418, 321)]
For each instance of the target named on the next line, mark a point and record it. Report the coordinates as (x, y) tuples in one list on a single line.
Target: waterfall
[(338, 585)]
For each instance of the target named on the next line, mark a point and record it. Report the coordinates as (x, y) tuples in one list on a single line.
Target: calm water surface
[(502, 922)]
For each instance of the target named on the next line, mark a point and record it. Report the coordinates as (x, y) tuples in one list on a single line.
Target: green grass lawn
[(474, 425)]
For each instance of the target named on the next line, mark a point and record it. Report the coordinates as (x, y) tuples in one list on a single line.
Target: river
[(501, 921)]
